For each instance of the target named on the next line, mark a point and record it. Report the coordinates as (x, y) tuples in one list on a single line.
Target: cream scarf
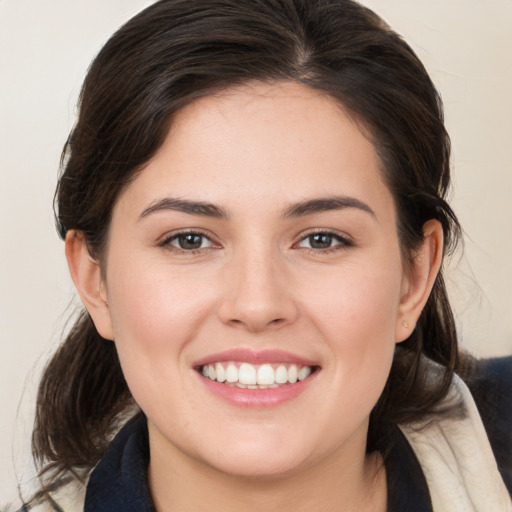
[(457, 459)]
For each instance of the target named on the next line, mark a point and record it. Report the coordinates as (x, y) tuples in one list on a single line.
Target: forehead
[(263, 144)]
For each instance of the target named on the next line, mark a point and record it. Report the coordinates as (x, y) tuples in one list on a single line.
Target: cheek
[(358, 304), (356, 313), (153, 306), (155, 314)]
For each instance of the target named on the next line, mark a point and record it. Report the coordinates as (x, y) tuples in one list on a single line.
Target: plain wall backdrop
[(45, 49)]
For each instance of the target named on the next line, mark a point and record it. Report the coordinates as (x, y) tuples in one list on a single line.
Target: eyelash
[(167, 242), (343, 242)]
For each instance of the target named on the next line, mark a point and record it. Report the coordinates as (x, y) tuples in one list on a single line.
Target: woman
[(253, 207)]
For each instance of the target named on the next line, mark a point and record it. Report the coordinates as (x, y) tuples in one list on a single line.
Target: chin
[(259, 466)]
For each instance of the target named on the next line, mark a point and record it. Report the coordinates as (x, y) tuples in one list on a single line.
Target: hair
[(177, 51)]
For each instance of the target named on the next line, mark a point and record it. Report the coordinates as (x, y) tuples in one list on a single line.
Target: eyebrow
[(326, 204), (300, 209), (182, 205)]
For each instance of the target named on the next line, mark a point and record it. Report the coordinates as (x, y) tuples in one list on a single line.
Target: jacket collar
[(119, 481)]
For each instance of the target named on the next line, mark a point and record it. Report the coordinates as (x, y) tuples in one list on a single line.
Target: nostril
[(256, 313)]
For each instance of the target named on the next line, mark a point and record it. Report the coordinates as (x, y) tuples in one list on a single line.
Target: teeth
[(304, 373), (247, 374), (292, 374), (264, 376), (281, 375), (232, 373), (221, 374)]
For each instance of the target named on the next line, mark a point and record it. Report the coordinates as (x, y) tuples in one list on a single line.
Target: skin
[(257, 282)]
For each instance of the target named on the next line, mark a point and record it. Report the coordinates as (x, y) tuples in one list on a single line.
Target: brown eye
[(190, 241)]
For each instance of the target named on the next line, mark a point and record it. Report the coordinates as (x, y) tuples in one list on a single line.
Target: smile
[(256, 379), (256, 376)]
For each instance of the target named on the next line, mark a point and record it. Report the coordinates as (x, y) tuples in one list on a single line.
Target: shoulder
[(490, 383), (66, 495), (491, 375)]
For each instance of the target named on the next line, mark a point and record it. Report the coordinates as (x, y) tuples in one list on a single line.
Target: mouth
[(245, 375), (256, 379)]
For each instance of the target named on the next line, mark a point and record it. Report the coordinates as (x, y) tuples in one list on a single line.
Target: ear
[(418, 283), (86, 274)]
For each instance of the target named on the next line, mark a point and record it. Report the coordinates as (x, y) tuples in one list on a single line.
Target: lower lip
[(257, 398)]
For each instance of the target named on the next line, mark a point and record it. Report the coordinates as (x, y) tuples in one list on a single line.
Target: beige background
[(45, 48)]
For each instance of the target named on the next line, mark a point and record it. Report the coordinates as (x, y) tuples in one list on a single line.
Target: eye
[(189, 241), (324, 241)]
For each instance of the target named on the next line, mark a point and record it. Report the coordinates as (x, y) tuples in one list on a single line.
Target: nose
[(258, 294)]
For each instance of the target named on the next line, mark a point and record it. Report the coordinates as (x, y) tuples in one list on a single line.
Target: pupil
[(320, 241), (190, 241)]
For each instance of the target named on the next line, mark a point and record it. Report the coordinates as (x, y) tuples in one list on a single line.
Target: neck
[(335, 484)]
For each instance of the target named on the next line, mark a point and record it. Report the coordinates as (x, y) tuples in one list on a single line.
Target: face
[(255, 285)]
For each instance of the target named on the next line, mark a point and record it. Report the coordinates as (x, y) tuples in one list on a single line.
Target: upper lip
[(244, 355)]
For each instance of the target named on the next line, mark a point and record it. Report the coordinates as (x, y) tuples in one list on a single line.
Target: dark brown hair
[(176, 51)]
